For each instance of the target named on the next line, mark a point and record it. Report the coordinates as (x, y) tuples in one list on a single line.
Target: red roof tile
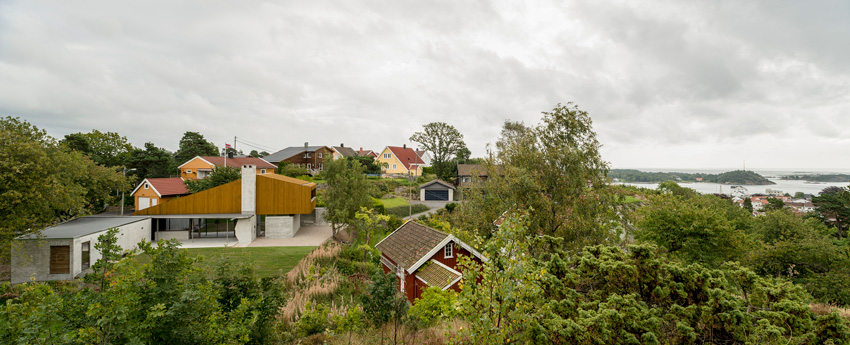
[(406, 156), (169, 186), (238, 162)]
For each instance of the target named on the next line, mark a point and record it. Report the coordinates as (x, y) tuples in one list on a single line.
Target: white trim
[(453, 282), (447, 247), (439, 247), (448, 268), (187, 162), (150, 184)]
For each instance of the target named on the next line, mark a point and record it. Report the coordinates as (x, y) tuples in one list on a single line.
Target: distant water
[(786, 186)]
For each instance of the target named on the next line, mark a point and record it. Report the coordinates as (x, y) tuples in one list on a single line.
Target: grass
[(404, 211), (267, 261), (394, 202), (628, 199)]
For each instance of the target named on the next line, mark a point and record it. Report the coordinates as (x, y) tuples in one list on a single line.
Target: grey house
[(66, 251), (436, 190)]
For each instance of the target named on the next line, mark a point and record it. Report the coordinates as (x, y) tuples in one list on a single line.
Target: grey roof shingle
[(410, 243), (345, 151), (289, 152)]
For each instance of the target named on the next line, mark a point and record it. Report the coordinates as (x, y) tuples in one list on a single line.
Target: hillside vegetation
[(742, 177)]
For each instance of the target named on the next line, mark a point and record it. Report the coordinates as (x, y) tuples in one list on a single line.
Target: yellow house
[(201, 166), (400, 160), (154, 191)]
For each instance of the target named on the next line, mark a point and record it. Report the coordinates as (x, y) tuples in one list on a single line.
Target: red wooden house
[(421, 257)]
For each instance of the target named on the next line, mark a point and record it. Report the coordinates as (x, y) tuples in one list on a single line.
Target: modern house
[(342, 151), (201, 166), (255, 205), (421, 257), (436, 190), (400, 160), (310, 157), (154, 191), (66, 251)]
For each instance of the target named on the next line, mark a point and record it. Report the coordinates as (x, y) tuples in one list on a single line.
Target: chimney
[(361, 148), (306, 144), (230, 154), (249, 189), (404, 146), (341, 145)]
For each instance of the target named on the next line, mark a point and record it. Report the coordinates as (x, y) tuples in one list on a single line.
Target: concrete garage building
[(66, 251), (436, 190)]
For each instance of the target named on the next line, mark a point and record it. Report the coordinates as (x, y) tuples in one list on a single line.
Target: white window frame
[(147, 186), (449, 251), (320, 155), (387, 156), (307, 155), (321, 166), (262, 171), (188, 171), (395, 167), (309, 166)]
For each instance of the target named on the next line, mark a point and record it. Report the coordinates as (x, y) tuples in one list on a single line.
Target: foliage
[(106, 149), (217, 177), (702, 228), (818, 177), (555, 171), (832, 206), (774, 204), (291, 170), (404, 211), (432, 305), (442, 140), (748, 205), (193, 144), (42, 182), (152, 162), (382, 302), (368, 225), (110, 253), (347, 192), (256, 154)]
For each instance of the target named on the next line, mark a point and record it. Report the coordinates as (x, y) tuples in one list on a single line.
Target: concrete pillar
[(282, 226), (249, 189), (421, 195), (246, 229)]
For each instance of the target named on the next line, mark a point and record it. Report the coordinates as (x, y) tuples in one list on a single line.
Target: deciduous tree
[(151, 162), (347, 193), (443, 141), (217, 177), (193, 144), (105, 148)]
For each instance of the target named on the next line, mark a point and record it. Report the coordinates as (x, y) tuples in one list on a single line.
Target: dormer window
[(448, 251)]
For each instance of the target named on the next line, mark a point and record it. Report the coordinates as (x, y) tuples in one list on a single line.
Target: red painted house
[(421, 257)]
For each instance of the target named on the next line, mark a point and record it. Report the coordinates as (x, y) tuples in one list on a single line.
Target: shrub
[(314, 320), (402, 211), (451, 207), (378, 206), (432, 305), (292, 170)]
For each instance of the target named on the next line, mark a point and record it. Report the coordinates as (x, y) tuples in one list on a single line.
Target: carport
[(436, 190)]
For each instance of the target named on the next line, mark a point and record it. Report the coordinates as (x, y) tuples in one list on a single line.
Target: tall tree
[(347, 193), (42, 182), (105, 148), (832, 206), (151, 162), (442, 140), (193, 144)]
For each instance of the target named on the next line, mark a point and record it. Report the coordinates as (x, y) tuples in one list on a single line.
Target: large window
[(85, 251), (60, 259), (448, 252), (386, 156)]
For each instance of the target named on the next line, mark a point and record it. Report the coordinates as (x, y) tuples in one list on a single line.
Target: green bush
[(432, 305), (378, 206), (314, 320), (451, 207), (292, 170)]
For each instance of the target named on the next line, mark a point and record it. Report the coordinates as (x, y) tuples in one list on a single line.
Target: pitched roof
[(406, 156), (238, 161), (409, 243), (345, 151), (166, 186), (476, 170), (438, 274), (364, 153), (437, 181), (288, 152)]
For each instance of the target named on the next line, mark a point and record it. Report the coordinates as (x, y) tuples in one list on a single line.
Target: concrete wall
[(180, 235), (282, 226), (31, 258), (320, 216), (249, 189), (246, 229)]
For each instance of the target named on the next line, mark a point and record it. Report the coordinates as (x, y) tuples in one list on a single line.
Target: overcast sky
[(668, 84)]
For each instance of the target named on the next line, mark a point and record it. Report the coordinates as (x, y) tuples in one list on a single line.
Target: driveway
[(433, 206), (306, 236)]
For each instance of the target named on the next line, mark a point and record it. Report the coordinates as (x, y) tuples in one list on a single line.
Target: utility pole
[(410, 195), (122, 190)]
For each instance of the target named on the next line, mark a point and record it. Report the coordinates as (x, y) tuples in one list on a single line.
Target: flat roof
[(202, 216), (82, 226)]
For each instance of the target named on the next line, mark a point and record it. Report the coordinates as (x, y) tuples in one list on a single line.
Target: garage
[(436, 190)]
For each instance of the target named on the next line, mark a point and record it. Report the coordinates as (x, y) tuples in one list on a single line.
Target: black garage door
[(436, 194)]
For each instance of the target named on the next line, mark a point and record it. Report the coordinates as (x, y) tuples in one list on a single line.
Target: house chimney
[(306, 144), (230, 154), (249, 189), (404, 146), (341, 145)]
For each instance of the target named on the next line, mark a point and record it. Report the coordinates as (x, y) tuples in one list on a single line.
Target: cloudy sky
[(668, 84)]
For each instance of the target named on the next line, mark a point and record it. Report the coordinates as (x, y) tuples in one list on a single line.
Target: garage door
[(144, 203), (436, 194)]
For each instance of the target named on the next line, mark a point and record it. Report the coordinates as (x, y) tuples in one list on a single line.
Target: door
[(144, 202), (437, 195), (60, 259), (153, 201)]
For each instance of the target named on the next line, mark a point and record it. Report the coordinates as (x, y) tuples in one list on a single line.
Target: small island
[(819, 177), (737, 177)]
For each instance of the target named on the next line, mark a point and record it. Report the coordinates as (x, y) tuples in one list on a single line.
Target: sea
[(774, 175)]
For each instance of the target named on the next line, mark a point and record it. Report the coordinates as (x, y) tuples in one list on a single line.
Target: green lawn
[(267, 261), (394, 202), (628, 199)]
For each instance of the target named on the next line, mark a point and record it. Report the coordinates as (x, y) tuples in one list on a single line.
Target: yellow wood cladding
[(226, 198), (277, 194)]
